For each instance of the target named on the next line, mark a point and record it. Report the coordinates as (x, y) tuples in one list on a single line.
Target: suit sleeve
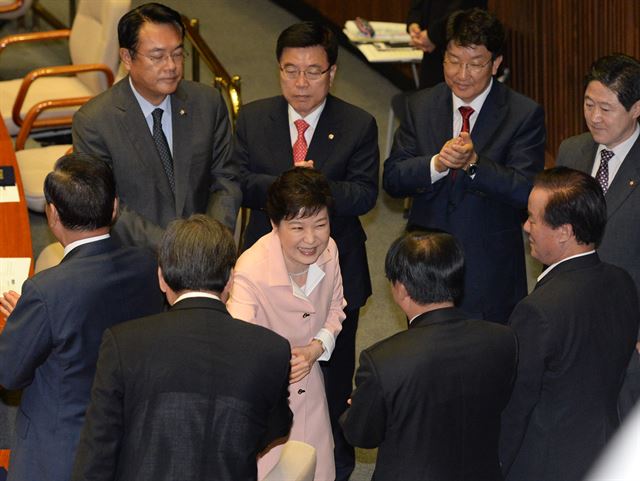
[(280, 416), (364, 423), (254, 184), (26, 341), (333, 324), (355, 194), (510, 180), (532, 330), (131, 228), (101, 437), (225, 195), (407, 172)]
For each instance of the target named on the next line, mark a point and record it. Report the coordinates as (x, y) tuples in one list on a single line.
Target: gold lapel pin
[(331, 136), (632, 183), (183, 112)]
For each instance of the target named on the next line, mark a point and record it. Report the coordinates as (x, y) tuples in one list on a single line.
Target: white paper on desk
[(9, 193), (13, 272), (384, 32), (375, 55)]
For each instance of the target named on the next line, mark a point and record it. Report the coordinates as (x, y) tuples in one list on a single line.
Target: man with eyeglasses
[(306, 126), (466, 155), (166, 139)]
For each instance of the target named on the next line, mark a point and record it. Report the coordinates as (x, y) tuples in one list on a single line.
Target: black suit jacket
[(576, 332), (112, 127), (189, 394), (344, 148), (433, 15), (430, 399), (484, 213), (50, 344)]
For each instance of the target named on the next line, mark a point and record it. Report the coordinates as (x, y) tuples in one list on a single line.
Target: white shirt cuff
[(435, 175), (328, 341)]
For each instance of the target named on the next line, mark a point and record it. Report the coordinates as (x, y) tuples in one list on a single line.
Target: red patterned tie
[(466, 113), (300, 145)]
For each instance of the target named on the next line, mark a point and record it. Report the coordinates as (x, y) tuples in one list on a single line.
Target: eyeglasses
[(473, 68), (312, 73), (161, 58)]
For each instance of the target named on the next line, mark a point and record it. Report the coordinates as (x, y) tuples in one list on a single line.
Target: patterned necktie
[(300, 145), (163, 147), (466, 113), (602, 176)]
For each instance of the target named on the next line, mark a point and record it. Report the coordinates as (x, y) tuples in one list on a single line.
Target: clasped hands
[(8, 301), (303, 358), (456, 153)]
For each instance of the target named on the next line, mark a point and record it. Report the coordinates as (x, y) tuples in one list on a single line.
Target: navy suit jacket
[(344, 148), (189, 394), (576, 332), (111, 126), (430, 399), (484, 213), (50, 345)]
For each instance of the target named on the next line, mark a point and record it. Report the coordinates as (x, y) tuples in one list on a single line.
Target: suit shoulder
[(198, 89), (576, 142), (352, 112)]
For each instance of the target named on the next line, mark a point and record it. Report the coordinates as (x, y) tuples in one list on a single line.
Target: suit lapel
[(327, 133), (137, 129), (278, 137), (182, 125), (625, 181), (585, 158), (491, 116)]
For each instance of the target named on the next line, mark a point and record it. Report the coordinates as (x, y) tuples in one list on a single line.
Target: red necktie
[(466, 113), (300, 145)]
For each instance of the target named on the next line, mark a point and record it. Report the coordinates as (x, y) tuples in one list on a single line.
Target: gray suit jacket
[(112, 127)]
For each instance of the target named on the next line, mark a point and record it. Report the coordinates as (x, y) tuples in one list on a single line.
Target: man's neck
[(418, 309), (68, 236)]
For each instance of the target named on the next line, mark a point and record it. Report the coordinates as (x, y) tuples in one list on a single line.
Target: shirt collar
[(311, 119), (552, 266), (622, 149), (476, 104), (147, 107), (192, 294), (69, 247)]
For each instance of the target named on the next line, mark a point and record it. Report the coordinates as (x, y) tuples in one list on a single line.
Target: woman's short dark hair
[(309, 34), (476, 26), (83, 190), (298, 191), (575, 198), (430, 265), (197, 254), (131, 22)]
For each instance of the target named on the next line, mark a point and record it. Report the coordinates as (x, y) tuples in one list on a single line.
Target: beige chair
[(93, 46), (36, 163), (297, 463), (49, 257), (10, 9)]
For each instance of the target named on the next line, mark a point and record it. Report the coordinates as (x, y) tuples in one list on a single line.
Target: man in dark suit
[(189, 394), (50, 343), (611, 111), (341, 141), (576, 332), (474, 185), (427, 24), (167, 139), (430, 398)]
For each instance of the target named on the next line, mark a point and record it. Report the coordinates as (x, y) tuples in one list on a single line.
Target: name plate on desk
[(7, 176)]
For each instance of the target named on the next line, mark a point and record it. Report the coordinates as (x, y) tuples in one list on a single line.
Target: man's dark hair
[(309, 34), (476, 27), (197, 254), (575, 198), (83, 190), (131, 22), (299, 190), (430, 265), (620, 73)]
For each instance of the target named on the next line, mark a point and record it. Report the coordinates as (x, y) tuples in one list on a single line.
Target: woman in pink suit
[(290, 282)]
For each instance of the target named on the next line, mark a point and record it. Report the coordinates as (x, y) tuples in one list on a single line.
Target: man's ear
[(116, 210), (53, 217), (565, 232), (224, 295), (163, 284), (125, 58)]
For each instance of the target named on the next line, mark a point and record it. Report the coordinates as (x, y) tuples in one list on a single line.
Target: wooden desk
[(15, 234)]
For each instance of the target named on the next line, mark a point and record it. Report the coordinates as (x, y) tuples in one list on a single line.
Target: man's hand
[(8, 302), (305, 163), (457, 153), (420, 38), (302, 359)]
